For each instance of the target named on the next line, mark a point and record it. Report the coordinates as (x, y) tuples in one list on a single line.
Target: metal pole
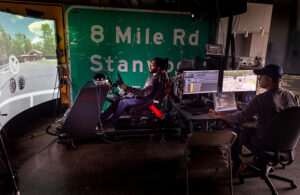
[(7, 163), (225, 60)]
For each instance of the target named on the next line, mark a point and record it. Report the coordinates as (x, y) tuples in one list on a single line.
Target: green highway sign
[(111, 40)]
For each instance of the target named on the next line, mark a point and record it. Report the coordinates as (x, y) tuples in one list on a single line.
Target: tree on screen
[(38, 46), (21, 44), (5, 46), (18, 44), (49, 40), (27, 45)]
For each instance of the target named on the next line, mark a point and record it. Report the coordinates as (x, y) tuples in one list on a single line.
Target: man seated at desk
[(264, 106)]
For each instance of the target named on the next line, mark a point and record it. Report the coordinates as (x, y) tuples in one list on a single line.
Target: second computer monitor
[(224, 102), (239, 80), (200, 81)]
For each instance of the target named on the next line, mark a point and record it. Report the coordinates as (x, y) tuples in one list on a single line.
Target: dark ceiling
[(176, 5)]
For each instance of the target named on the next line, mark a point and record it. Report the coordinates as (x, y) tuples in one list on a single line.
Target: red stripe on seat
[(156, 111)]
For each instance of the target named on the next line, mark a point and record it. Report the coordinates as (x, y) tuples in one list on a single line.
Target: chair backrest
[(283, 132), (160, 93), (212, 138), (155, 104)]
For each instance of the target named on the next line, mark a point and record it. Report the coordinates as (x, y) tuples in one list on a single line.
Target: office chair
[(206, 150), (281, 137)]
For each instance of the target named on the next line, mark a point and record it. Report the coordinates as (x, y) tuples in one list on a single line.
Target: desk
[(206, 121)]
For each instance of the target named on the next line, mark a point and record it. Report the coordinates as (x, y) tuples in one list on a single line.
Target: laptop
[(225, 102)]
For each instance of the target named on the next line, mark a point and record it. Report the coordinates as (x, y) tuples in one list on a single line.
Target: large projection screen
[(28, 64)]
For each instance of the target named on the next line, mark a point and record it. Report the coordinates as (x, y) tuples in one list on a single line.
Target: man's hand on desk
[(217, 115)]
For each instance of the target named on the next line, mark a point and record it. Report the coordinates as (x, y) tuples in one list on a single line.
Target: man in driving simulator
[(264, 106), (153, 89)]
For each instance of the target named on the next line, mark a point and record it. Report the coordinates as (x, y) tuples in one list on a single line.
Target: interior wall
[(256, 22), (292, 57), (279, 32), (284, 43)]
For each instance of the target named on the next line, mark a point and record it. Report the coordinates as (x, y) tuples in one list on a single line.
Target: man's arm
[(151, 86), (217, 115), (252, 109), (240, 117)]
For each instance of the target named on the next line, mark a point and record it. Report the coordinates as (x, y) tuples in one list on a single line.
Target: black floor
[(134, 166)]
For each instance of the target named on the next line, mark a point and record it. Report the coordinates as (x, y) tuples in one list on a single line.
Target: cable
[(43, 149), (57, 93), (235, 19), (69, 79), (59, 72), (56, 78), (27, 137), (127, 5), (105, 139), (99, 108)]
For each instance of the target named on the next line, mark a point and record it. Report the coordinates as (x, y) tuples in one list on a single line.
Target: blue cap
[(272, 70)]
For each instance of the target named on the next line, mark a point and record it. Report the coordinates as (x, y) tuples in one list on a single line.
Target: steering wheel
[(116, 84), (109, 81), (120, 80)]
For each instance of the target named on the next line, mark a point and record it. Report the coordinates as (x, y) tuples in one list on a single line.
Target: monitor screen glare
[(200, 81), (239, 81)]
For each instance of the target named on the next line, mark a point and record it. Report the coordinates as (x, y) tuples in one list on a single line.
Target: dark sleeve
[(145, 91), (251, 110)]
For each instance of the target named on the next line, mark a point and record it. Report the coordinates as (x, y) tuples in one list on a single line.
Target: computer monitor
[(224, 101), (291, 82), (195, 82), (239, 81)]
